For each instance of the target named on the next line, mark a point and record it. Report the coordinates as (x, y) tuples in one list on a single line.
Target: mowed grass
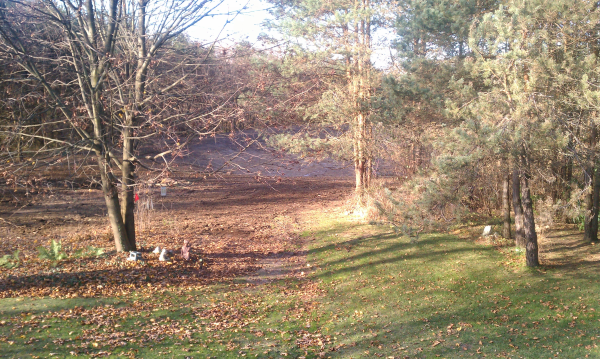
[(223, 321), (368, 293), (446, 297)]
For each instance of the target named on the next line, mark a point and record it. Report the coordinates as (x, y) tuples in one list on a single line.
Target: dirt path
[(563, 247)]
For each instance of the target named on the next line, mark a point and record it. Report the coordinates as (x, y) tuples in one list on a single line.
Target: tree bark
[(531, 245), (128, 185), (358, 72), (588, 205), (111, 195), (359, 157), (128, 166), (111, 198), (595, 208), (506, 207), (589, 215), (518, 209), (566, 195)]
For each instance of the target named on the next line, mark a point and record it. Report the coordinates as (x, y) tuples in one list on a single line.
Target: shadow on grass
[(562, 236), (337, 229), (374, 257), (473, 307), (569, 251), (15, 306)]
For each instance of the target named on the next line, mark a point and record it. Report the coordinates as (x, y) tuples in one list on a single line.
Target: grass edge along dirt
[(379, 295)]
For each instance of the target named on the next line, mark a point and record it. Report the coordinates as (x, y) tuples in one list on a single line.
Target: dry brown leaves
[(233, 225), (113, 275)]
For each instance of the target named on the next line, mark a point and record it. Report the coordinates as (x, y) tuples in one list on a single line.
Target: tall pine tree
[(337, 35)]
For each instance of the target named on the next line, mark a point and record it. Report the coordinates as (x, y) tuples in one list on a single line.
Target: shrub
[(54, 254), (9, 261)]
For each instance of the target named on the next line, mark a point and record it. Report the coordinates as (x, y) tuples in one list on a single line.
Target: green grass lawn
[(447, 297), (369, 293)]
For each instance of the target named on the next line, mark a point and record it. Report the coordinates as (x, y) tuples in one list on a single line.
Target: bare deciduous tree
[(92, 62)]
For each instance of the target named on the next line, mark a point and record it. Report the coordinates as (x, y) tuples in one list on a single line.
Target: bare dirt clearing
[(233, 221), (565, 248)]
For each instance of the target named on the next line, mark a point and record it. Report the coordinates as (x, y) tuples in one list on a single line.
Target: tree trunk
[(589, 185), (128, 185), (518, 209), (566, 186), (369, 162), (359, 160), (111, 197), (531, 246), (595, 205), (588, 205), (506, 206), (360, 90), (128, 166)]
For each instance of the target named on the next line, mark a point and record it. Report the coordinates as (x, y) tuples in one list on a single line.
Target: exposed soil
[(246, 153), (564, 247), (237, 224), (561, 247)]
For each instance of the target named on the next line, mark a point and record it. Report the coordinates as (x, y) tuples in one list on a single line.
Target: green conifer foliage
[(336, 36), (529, 55)]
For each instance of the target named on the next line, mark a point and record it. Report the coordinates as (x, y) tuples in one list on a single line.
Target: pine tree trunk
[(359, 176), (369, 157), (595, 207), (531, 245), (588, 204), (568, 176), (506, 207), (360, 92), (589, 196), (359, 158), (566, 196), (531, 248), (518, 209)]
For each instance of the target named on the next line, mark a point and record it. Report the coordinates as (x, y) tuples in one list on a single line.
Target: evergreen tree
[(337, 36), (528, 55)]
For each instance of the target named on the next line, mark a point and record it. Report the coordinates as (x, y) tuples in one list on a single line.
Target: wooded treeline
[(489, 106)]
